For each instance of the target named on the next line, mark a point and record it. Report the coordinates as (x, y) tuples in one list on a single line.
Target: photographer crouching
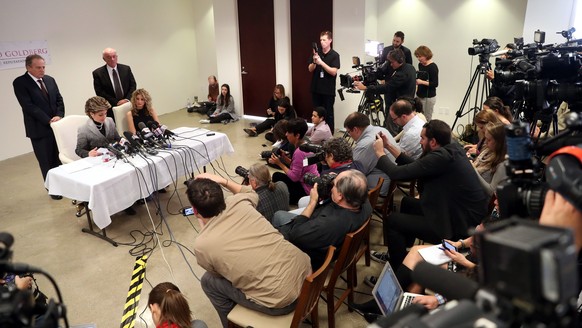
[(273, 196), (293, 175)]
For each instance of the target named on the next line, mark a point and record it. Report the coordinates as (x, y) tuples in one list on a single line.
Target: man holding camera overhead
[(319, 226), (324, 64)]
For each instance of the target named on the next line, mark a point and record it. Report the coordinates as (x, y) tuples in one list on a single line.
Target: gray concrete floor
[(94, 276)]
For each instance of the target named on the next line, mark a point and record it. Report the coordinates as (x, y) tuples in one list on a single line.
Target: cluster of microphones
[(147, 140)]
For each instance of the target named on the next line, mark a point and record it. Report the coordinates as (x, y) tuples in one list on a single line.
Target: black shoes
[(56, 197), (250, 132)]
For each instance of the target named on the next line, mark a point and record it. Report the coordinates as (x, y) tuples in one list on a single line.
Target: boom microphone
[(451, 285)]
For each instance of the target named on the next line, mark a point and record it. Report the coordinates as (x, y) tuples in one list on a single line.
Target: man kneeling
[(247, 261)]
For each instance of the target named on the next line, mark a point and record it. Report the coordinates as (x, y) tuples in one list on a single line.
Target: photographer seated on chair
[(319, 226)]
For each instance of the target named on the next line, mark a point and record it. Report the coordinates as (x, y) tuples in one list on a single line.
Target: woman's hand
[(93, 152), (430, 302)]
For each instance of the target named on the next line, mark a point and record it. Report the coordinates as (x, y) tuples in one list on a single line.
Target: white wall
[(537, 18), (158, 39)]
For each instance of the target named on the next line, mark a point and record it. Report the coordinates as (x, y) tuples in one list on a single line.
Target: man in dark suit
[(42, 104), (397, 42), (113, 81)]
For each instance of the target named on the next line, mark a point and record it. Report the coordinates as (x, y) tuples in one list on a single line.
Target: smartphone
[(448, 246), (314, 46), (187, 211)]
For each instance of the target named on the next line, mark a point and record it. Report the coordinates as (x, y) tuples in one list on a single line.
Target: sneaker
[(250, 132), (204, 121), (381, 257), (370, 281)]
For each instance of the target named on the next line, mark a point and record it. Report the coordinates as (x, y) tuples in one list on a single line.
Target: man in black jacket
[(42, 104), (319, 226), (402, 83), (451, 198), (113, 81)]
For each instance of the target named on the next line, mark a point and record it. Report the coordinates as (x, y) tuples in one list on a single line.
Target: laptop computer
[(389, 294)]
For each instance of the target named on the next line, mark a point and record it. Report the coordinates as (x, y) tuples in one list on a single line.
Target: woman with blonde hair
[(142, 110), (481, 119), (170, 308), (489, 163)]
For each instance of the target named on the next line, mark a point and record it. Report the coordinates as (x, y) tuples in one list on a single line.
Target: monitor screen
[(373, 48)]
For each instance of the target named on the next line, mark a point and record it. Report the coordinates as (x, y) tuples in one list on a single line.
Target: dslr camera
[(324, 183), (267, 153), (318, 154)]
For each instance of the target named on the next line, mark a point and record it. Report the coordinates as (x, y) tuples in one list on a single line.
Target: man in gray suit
[(42, 104), (113, 81)]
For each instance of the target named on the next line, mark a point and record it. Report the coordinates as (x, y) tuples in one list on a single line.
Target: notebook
[(388, 294)]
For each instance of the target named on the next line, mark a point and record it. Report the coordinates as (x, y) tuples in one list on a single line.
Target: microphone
[(155, 128), (499, 53), (115, 151), (134, 144), (449, 284), (166, 131), (145, 132)]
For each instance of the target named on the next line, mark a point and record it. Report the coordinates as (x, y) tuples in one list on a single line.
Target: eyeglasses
[(394, 118)]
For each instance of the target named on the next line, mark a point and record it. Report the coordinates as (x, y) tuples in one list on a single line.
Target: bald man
[(113, 81)]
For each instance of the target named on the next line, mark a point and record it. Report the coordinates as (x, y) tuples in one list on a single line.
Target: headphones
[(564, 174)]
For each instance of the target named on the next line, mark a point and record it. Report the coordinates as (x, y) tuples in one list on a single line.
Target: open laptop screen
[(387, 290)]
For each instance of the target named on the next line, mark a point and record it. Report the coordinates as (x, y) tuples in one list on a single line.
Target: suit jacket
[(104, 88), (37, 110), (89, 137)]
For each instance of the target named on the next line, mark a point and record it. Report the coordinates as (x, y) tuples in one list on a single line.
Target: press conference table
[(110, 187)]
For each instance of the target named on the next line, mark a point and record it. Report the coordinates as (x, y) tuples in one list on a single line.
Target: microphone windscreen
[(451, 285), (129, 136), (141, 125)]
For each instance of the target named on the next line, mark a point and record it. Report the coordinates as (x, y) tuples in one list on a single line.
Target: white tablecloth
[(112, 186)]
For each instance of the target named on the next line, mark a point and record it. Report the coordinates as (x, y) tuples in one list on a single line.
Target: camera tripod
[(483, 86), (371, 105)]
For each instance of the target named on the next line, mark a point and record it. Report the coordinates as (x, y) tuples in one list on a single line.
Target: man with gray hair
[(113, 81), (321, 225), (42, 104)]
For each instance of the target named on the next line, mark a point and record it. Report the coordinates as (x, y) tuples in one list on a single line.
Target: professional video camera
[(25, 308), (483, 47), (368, 75), (527, 278), (318, 154), (324, 183)]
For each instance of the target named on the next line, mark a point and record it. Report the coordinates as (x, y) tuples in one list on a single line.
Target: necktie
[(42, 87), (117, 86)]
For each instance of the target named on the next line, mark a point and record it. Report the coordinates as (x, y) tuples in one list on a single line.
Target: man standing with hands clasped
[(324, 65), (113, 81), (42, 104)]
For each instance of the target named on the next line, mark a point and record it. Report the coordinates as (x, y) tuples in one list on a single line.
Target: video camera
[(21, 308), (368, 75), (483, 47), (324, 183), (527, 278)]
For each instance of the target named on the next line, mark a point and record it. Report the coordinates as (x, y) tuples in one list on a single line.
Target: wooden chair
[(385, 209), (373, 195), (346, 262), (306, 304)]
